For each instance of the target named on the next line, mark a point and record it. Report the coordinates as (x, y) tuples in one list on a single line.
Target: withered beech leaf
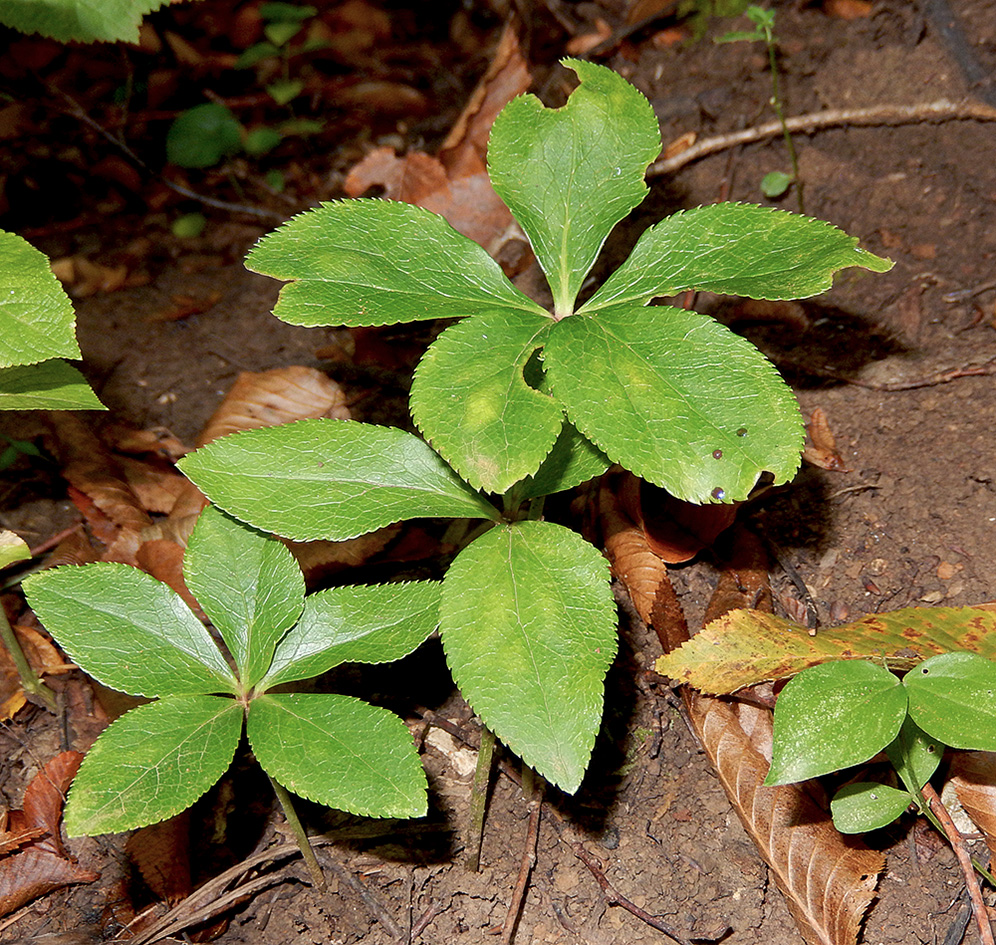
[(162, 854), (828, 880), (268, 398), (973, 774), (677, 530), (821, 445), (744, 647), (42, 864), (632, 561)]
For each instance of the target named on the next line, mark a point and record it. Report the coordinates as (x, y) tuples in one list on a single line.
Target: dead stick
[(965, 861), (533, 785), (941, 110), (615, 898)]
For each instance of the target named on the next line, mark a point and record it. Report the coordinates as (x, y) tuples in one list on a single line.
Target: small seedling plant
[(775, 183), (135, 634), (515, 402), (841, 714)]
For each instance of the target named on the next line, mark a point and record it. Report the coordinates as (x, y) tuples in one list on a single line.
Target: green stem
[(479, 799), (30, 680), (297, 828), (776, 104)]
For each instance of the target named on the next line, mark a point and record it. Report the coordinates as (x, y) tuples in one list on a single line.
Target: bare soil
[(913, 521)]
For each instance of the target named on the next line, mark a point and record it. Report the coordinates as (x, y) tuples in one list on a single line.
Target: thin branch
[(964, 861), (941, 110), (533, 787)]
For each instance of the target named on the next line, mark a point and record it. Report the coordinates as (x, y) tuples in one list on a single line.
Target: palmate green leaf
[(574, 459), (333, 479), (528, 624), (471, 402), (569, 175), (361, 624), (834, 716), (867, 805), (914, 754), (249, 585), (51, 385), (741, 249), (152, 763), (128, 630), (953, 698), (744, 647), (377, 262), (84, 21), (37, 321), (680, 400), (338, 751)]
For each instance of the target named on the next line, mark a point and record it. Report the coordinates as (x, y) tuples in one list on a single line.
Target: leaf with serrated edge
[(51, 385), (377, 262), (249, 585), (338, 751), (80, 20), (152, 763), (858, 808), (828, 880), (356, 624), (333, 479), (37, 321), (569, 175), (573, 460), (681, 400), (471, 402), (745, 647), (914, 754), (953, 698), (527, 609), (832, 717), (128, 630), (739, 249)]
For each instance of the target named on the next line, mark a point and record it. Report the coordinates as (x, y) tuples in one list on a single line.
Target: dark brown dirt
[(912, 522)]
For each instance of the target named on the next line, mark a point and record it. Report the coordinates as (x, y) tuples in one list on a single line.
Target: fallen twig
[(533, 786), (964, 861), (931, 380), (941, 110)]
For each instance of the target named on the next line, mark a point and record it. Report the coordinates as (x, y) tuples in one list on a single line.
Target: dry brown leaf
[(44, 659), (828, 880), (626, 546), (848, 9), (42, 865), (584, 43), (269, 398), (183, 306), (81, 277), (11, 840), (640, 10), (821, 446), (158, 441), (677, 531), (974, 776), (328, 557), (155, 485), (162, 854)]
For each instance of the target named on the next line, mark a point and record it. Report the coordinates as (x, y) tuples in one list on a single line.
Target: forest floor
[(904, 375)]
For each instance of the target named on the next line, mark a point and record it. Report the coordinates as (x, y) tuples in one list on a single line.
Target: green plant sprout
[(516, 402), (134, 634), (37, 332), (775, 183), (204, 135), (841, 714)]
